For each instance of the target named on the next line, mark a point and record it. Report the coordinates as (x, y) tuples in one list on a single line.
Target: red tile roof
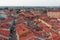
[(53, 10)]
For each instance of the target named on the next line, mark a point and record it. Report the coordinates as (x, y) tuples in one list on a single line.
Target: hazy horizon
[(29, 2)]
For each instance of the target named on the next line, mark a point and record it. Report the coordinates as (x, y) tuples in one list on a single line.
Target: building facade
[(53, 13)]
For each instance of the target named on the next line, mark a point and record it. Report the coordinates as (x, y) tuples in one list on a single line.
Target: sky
[(29, 2)]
